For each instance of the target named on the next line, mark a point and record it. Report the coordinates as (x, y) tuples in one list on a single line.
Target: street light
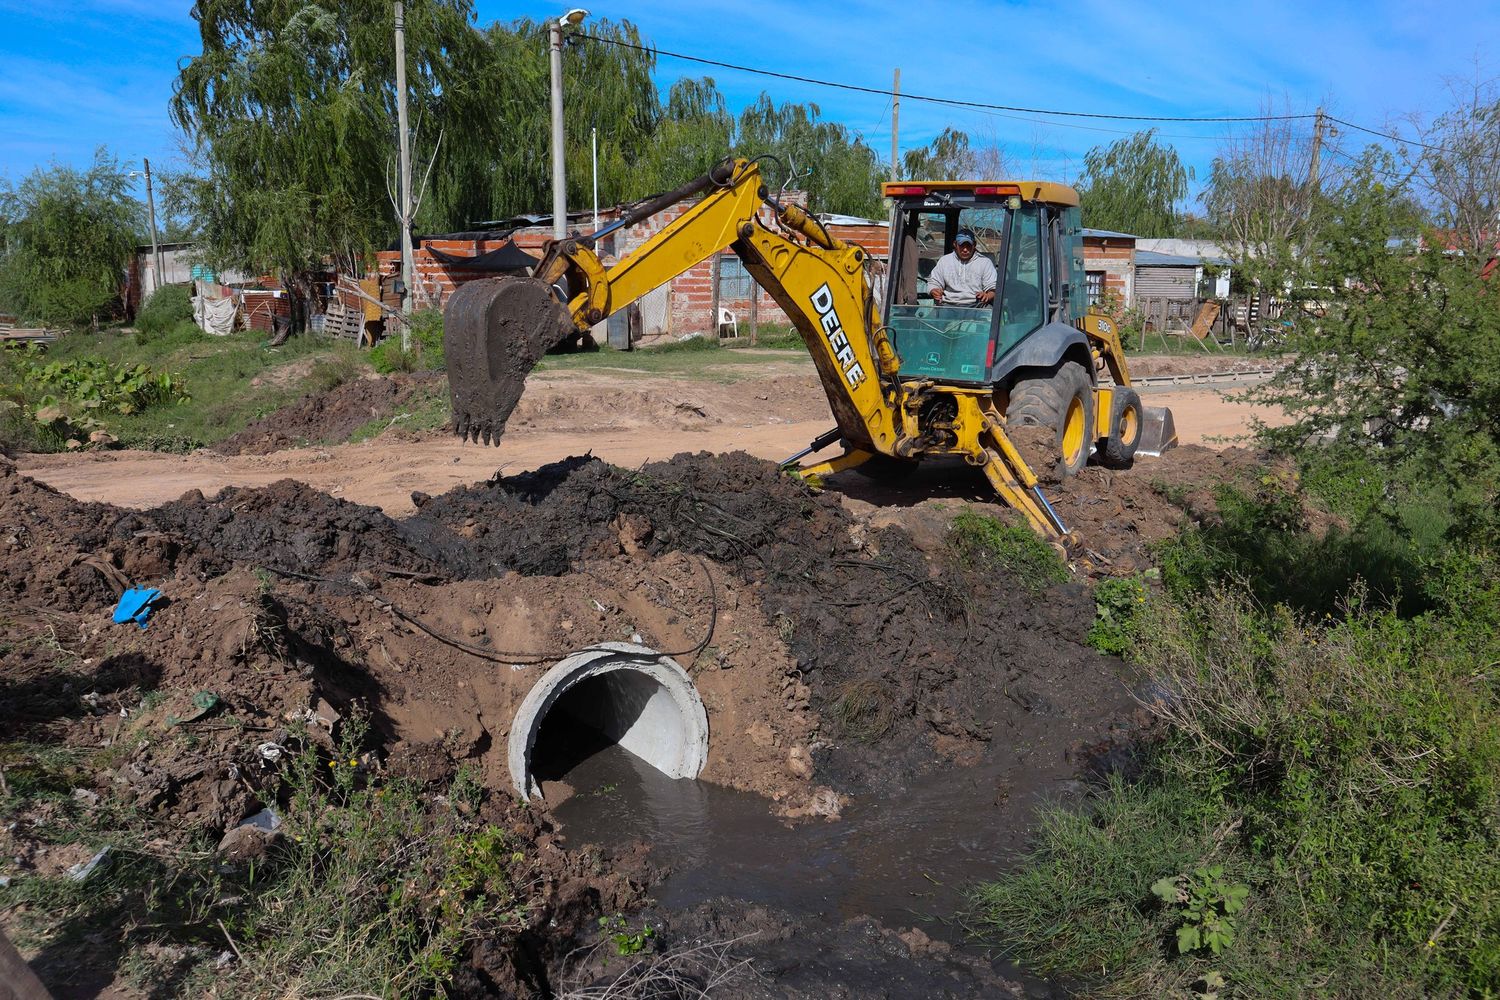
[(151, 207), (571, 19)]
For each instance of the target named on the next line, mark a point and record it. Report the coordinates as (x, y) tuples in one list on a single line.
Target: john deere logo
[(934, 358)]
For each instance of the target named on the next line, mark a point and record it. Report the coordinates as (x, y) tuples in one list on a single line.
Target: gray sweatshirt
[(961, 283)]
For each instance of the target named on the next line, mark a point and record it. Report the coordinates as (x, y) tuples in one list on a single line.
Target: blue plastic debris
[(136, 605)]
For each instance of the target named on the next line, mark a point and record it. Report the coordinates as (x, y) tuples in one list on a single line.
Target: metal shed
[(1166, 276)]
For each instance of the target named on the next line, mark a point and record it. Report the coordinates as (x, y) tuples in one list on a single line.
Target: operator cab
[(1028, 229)]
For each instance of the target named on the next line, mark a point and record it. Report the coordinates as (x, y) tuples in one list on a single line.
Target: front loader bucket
[(1158, 430), (495, 330)]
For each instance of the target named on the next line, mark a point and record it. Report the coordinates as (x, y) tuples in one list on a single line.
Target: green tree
[(608, 87), (1401, 363), (837, 169), (1133, 186), (291, 107), (67, 238), (948, 157), (695, 132)]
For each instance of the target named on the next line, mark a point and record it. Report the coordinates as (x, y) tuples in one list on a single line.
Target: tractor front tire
[(1063, 402), (1127, 420)]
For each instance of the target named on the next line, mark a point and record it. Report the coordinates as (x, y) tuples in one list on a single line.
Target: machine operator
[(963, 277)]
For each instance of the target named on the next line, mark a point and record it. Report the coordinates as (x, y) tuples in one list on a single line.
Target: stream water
[(905, 860)]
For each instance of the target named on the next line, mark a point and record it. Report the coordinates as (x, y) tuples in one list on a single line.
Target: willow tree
[(835, 166), (695, 132), (291, 108), (1133, 186), (608, 90), (65, 238)]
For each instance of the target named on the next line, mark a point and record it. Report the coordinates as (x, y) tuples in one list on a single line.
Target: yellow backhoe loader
[(907, 378)]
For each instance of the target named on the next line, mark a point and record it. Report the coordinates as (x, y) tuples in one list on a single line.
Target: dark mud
[(330, 416), (494, 332)]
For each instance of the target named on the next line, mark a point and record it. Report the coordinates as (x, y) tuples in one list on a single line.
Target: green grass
[(218, 372), (1157, 343), (374, 888), (428, 410), (979, 541)]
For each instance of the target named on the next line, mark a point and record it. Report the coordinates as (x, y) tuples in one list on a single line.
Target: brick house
[(1109, 267)]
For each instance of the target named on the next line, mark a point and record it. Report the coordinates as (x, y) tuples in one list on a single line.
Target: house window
[(734, 281), (1095, 282)]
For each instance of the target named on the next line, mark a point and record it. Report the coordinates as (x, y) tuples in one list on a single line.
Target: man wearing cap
[(963, 277)]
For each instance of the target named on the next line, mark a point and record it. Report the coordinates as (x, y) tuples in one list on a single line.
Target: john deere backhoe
[(907, 379)]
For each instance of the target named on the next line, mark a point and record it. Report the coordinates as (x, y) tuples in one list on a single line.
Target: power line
[(951, 102), (986, 108), (1388, 138)]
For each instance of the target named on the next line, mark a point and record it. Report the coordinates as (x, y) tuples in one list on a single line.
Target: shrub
[(167, 306), (1346, 768), (425, 353)]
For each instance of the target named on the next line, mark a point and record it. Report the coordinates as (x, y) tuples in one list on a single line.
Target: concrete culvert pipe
[(623, 694)]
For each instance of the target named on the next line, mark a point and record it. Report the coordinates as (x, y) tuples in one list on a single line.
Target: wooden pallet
[(344, 323)]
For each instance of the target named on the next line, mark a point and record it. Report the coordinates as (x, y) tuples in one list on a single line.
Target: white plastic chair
[(727, 318)]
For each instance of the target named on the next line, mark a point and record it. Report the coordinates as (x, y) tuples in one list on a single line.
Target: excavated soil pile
[(331, 416)]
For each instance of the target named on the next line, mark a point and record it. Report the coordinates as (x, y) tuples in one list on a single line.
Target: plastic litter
[(81, 871), (203, 703), (136, 605), (265, 820)]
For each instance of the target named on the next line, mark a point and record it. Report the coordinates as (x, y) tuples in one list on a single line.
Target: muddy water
[(905, 861)]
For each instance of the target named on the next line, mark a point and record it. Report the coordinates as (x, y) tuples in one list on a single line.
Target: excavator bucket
[(1158, 430), (495, 330)]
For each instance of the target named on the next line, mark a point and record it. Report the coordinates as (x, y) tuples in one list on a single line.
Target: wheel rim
[(1072, 442), (1130, 425)]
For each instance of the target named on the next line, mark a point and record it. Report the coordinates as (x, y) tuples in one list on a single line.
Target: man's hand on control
[(986, 297), (937, 296)]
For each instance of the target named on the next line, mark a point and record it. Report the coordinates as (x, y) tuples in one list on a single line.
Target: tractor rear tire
[(1127, 419), (1063, 402)]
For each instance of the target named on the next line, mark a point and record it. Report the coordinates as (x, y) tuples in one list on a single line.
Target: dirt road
[(624, 418)]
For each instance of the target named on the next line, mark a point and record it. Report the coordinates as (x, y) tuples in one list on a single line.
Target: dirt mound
[(1115, 516), (330, 416)]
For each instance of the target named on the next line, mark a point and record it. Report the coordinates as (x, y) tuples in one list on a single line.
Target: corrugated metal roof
[(1151, 257), (1107, 234)]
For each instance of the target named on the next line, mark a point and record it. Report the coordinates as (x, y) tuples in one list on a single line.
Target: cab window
[(1023, 306)]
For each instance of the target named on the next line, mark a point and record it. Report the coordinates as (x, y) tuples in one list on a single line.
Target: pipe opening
[(611, 694)]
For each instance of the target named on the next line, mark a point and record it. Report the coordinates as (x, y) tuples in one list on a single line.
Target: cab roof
[(1049, 192)]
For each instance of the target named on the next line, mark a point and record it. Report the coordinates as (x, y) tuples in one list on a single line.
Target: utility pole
[(895, 121), (1317, 151), (555, 29), (594, 142), (151, 208), (408, 265)]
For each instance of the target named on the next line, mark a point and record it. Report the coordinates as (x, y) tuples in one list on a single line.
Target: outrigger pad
[(495, 330), (1158, 430)]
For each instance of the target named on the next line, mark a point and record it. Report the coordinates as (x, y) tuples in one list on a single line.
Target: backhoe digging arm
[(820, 282)]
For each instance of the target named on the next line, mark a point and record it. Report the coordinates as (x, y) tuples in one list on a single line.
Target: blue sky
[(76, 75)]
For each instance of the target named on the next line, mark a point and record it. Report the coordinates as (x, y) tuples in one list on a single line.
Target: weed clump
[(978, 541), (166, 308), (425, 353)]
